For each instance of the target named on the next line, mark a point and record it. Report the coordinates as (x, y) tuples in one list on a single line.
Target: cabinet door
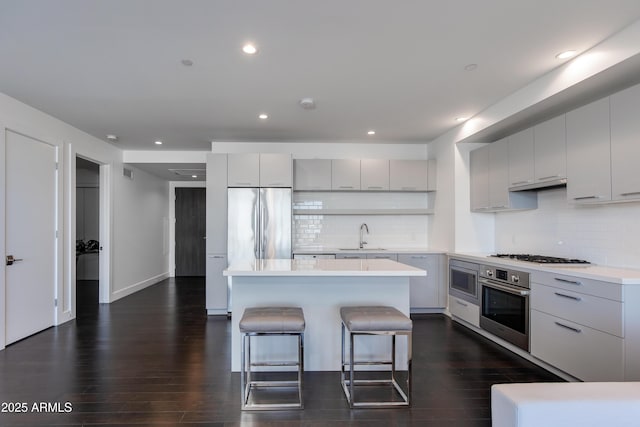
[(312, 174), (216, 203), (243, 170), (345, 174), (425, 292), (550, 142), (499, 174), (216, 284), (374, 174), (275, 170), (625, 144), (392, 257), (479, 175), (585, 353), (521, 158), (589, 153), (350, 256), (408, 175)]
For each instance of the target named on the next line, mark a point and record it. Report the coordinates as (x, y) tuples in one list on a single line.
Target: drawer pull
[(573, 282), (462, 304), (587, 197), (346, 186), (418, 257), (568, 296), (634, 193), (408, 188), (576, 330)]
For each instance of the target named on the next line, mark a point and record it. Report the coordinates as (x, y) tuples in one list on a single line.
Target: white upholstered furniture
[(590, 404)]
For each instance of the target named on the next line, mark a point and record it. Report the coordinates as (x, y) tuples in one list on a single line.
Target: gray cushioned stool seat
[(272, 320), (375, 318)]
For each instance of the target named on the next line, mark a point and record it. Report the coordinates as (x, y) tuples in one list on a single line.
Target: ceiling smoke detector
[(308, 103)]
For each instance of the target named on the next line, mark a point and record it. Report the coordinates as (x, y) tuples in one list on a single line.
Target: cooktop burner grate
[(541, 259)]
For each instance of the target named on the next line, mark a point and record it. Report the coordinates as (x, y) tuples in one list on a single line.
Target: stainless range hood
[(540, 185)]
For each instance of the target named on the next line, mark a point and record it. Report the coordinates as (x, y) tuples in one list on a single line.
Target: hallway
[(155, 358)]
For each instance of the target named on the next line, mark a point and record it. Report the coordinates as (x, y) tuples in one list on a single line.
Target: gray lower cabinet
[(350, 256), (216, 284), (426, 292)]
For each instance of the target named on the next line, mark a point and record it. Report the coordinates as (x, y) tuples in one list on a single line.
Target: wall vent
[(127, 173)]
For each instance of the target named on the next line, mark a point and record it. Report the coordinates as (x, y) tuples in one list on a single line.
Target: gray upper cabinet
[(625, 144), (345, 174), (499, 174), (538, 156), (521, 158), (589, 153), (312, 175), (489, 174), (550, 141), (374, 174), (411, 175), (259, 170), (275, 170), (244, 170)]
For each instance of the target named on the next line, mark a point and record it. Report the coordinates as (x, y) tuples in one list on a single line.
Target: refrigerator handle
[(263, 227), (258, 234)]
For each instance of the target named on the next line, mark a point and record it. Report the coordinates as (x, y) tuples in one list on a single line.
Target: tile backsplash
[(603, 234), (343, 231)]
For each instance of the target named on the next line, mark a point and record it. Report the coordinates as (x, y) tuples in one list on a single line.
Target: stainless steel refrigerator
[(259, 225)]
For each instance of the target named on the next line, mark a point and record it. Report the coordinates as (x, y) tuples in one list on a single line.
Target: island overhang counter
[(320, 287)]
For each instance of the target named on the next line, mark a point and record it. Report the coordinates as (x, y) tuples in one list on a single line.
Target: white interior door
[(30, 235)]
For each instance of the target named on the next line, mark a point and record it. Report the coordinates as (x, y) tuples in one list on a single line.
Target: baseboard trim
[(131, 289)]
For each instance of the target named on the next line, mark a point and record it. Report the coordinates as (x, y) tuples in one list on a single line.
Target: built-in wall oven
[(504, 308), (463, 280)]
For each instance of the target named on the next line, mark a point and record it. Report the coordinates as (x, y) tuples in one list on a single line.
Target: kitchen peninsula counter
[(320, 287)]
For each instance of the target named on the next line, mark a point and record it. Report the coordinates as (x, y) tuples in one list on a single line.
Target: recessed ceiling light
[(187, 62), (158, 142), (461, 119), (470, 67), (112, 138), (566, 54), (249, 49), (371, 132), (307, 103), (194, 176), (263, 116)]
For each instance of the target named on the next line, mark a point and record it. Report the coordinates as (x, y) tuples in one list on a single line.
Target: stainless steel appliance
[(259, 225), (504, 310), (463, 280)]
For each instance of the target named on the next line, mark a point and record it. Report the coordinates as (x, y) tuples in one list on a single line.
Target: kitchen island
[(320, 287)]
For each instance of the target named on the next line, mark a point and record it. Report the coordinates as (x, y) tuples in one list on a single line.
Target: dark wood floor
[(155, 358)]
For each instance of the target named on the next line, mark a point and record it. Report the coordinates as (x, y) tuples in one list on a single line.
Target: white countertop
[(323, 267), (365, 250), (619, 275)]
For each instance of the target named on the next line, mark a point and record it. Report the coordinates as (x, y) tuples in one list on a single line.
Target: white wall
[(141, 231), (71, 142), (607, 234)]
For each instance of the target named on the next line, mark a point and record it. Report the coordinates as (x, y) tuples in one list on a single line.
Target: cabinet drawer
[(393, 257), (578, 284), (598, 313), (464, 310), (583, 352)]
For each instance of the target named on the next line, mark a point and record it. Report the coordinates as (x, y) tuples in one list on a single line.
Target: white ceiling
[(114, 67)]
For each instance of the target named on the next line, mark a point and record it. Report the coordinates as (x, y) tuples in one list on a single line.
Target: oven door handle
[(508, 289)]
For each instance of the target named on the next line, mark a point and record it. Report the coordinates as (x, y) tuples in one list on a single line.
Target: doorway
[(190, 232), (88, 244)]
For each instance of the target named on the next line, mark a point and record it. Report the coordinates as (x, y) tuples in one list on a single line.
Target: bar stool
[(265, 322), (375, 320)]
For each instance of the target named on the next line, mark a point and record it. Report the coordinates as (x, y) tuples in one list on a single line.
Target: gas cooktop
[(541, 259)]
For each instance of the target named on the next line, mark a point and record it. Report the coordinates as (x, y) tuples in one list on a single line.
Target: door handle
[(11, 259)]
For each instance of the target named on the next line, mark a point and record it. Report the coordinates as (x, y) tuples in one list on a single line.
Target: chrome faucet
[(365, 227)]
